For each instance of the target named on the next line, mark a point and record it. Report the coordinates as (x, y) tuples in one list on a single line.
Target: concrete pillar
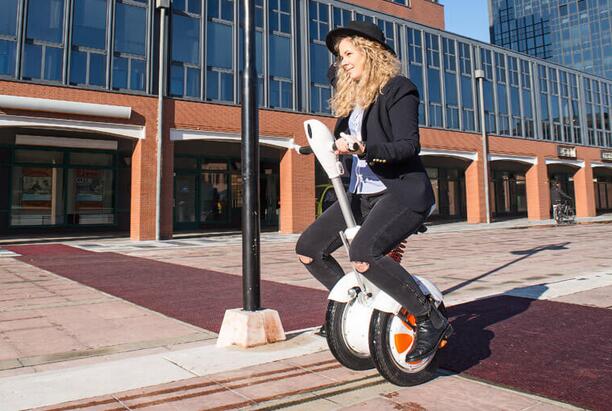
[(538, 191), (584, 191), (474, 193), (297, 192)]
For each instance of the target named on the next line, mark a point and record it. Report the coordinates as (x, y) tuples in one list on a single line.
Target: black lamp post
[(250, 168)]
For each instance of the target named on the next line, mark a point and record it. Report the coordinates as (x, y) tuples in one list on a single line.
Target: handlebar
[(352, 147), (305, 150)]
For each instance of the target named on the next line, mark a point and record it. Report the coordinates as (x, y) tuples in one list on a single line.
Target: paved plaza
[(65, 345)]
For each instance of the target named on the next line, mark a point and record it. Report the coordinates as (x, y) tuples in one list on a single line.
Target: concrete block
[(250, 328)]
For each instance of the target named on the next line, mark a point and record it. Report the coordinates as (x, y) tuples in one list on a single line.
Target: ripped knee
[(305, 260), (361, 266)]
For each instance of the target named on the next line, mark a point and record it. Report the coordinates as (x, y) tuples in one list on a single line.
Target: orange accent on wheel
[(403, 342), (412, 320)]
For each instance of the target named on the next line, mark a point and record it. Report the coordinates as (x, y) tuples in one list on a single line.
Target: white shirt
[(363, 179)]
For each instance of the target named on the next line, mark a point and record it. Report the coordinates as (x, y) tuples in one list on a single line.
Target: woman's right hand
[(345, 143)]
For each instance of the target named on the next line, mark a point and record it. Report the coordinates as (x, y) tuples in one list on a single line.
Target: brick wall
[(420, 11)]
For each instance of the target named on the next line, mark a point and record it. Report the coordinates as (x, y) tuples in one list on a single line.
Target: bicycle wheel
[(571, 216), (557, 215)]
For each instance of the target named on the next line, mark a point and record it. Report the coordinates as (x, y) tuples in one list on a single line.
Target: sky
[(469, 18)]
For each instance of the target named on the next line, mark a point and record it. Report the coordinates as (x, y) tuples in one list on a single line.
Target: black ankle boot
[(431, 328)]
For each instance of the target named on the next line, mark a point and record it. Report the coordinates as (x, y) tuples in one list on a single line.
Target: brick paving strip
[(314, 382), (451, 259)]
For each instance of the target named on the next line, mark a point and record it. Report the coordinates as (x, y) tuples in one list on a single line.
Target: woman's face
[(351, 58)]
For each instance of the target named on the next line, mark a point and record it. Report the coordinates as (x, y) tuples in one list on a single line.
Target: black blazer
[(390, 130)]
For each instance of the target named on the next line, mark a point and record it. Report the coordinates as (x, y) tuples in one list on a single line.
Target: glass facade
[(112, 44), (574, 33)]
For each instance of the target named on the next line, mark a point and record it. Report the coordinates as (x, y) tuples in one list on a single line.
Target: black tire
[(334, 322), (394, 369)]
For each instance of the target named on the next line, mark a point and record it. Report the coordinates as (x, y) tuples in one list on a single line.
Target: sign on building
[(566, 152)]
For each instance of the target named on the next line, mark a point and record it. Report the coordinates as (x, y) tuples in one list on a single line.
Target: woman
[(389, 191)]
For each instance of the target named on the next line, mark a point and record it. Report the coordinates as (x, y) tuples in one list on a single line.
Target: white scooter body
[(371, 297)]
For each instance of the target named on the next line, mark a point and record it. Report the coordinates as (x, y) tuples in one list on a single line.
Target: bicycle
[(563, 213)]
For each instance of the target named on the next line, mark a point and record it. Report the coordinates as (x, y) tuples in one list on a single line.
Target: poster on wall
[(89, 185), (36, 185)]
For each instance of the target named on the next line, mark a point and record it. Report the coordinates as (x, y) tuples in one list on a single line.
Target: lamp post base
[(250, 328)]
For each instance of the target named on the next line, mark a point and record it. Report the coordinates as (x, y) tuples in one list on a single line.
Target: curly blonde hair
[(380, 66)]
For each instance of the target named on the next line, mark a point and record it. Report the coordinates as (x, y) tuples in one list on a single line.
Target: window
[(415, 71), (544, 107), (502, 94), (185, 49), (8, 38), (43, 51), (554, 103), (88, 55), (387, 29), (489, 106), (280, 57), (320, 89), (575, 108), (363, 17), (433, 80), (526, 99), (515, 101), (130, 55), (62, 188), (466, 83), (450, 84), (219, 60), (341, 17)]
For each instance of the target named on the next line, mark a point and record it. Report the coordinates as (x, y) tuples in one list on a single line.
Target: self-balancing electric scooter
[(366, 327)]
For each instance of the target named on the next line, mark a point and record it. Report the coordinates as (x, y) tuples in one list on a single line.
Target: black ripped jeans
[(384, 221)]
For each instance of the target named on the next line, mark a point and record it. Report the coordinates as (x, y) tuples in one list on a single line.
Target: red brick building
[(79, 110)]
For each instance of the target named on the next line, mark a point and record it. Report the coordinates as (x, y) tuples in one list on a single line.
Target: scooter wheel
[(337, 322), (390, 340)]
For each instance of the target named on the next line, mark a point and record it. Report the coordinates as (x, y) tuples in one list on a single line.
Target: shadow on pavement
[(524, 255)]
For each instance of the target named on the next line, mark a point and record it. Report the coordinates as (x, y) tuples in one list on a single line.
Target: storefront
[(51, 187)]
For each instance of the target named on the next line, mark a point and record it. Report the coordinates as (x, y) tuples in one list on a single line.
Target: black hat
[(364, 29)]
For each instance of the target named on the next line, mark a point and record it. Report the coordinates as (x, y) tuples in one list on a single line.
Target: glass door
[(185, 186), (213, 199)]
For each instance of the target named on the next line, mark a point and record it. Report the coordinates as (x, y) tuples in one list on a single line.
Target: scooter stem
[(345, 207)]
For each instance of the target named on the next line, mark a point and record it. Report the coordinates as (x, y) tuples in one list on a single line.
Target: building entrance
[(508, 194), (565, 176), (507, 189), (603, 189), (208, 193), (447, 177)]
